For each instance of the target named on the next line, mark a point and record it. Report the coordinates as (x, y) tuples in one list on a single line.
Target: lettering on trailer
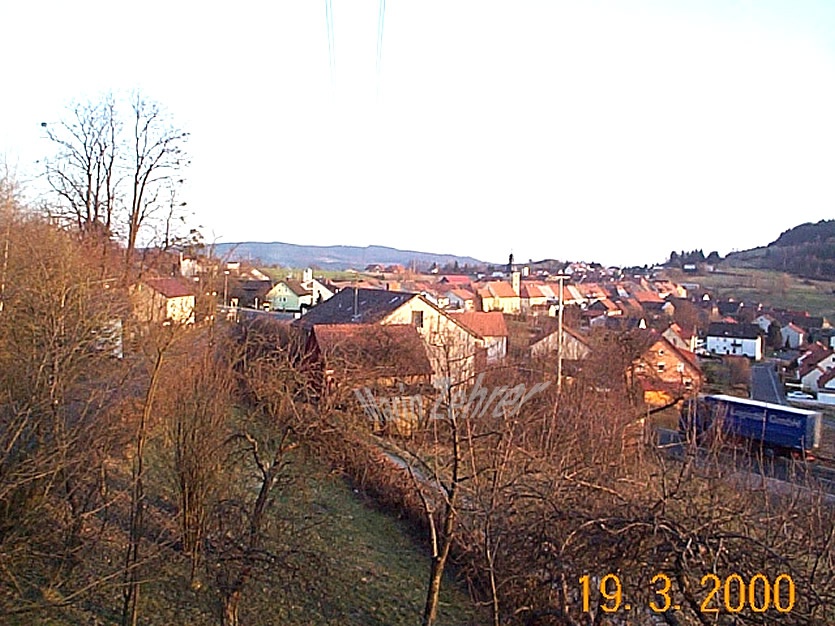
[(784, 421)]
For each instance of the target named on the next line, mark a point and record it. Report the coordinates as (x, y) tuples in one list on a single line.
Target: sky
[(604, 130)]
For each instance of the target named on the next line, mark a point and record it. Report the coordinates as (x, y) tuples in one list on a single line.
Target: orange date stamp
[(731, 594)]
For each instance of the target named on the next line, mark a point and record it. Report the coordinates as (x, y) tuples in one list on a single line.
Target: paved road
[(765, 385), (773, 468)]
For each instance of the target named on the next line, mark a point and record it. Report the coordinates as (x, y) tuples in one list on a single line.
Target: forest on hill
[(806, 250)]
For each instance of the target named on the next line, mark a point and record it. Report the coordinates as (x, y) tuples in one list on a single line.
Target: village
[(517, 317)]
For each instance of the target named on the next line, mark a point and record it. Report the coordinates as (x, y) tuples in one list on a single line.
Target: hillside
[(333, 257), (806, 250)]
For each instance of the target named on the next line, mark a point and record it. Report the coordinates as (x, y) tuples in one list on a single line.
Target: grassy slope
[(768, 287), (364, 568)]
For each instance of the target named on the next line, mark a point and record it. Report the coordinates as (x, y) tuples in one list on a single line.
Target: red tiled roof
[(531, 290), (645, 297), (390, 350), (499, 289), (463, 294), (455, 279), (170, 287), (490, 324)]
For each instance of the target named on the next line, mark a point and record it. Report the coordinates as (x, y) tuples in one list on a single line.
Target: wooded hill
[(806, 250)]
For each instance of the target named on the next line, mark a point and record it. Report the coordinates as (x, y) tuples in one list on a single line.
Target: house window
[(661, 367), (417, 318), (680, 367)]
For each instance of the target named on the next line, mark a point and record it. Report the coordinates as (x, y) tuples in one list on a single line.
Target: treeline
[(678, 259), (806, 250)]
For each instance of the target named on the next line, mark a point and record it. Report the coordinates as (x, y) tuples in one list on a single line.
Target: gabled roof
[(296, 287), (826, 377), (462, 294), (170, 287), (375, 349), (794, 327), (647, 297), (497, 289), (738, 331), (530, 290), (356, 306), (485, 324), (455, 279), (815, 352)]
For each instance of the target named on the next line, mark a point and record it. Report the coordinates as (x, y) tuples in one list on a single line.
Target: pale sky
[(610, 130)]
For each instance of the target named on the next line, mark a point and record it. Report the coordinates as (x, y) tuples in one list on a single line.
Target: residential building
[(453, 348), (725, 338), (491, 327), (165, 300), (498, 295)]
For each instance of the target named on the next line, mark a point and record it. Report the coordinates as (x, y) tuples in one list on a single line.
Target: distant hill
[(807, 250), (333, 257)]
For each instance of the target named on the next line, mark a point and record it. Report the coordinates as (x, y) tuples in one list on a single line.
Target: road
[(765, 385), (777, 469)]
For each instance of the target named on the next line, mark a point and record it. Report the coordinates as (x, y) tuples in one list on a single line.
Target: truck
[(780, 429)]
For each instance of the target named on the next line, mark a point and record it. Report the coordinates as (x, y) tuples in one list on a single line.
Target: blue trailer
[(783, 429)]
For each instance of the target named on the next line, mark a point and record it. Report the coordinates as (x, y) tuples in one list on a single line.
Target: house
[(453, 348), (764, 321), (491, 327), (725, 338), (826, 387), (666, 372), (815, 363), (289, 295), (248, 291), (386, 367), (685, 340), (575, 347), (654, 303), (166, 300), (532, 297), (460, 299), (456, 280), (792, 335), (498, 295)]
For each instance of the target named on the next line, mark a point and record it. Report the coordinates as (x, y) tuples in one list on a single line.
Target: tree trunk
[(229, 614)]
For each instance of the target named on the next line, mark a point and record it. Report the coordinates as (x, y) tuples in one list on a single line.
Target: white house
[(793, 336), (735, 339)]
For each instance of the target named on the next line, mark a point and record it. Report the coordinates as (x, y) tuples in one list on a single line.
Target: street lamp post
[(225, 285)]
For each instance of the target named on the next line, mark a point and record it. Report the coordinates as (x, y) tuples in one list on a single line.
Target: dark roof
[(372, 306), (739, 331)]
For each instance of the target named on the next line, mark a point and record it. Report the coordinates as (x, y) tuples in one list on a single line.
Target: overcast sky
[(610, 131)]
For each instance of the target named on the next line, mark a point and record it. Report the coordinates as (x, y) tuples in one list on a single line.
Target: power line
[(381, 20), (331, 54)]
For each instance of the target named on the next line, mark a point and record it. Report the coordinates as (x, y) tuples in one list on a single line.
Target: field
[(768, 287)]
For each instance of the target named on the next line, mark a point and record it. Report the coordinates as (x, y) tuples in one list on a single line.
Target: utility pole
[(561, 278)]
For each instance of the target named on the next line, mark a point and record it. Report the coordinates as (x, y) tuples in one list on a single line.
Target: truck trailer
[(781, 429)]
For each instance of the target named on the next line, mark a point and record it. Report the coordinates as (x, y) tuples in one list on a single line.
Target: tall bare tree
[(156, 160), (115, 172), (84, 172)]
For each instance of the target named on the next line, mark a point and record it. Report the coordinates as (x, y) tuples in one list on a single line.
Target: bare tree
[(58, 426), (156, 160), (114, 173), (84, 173)]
